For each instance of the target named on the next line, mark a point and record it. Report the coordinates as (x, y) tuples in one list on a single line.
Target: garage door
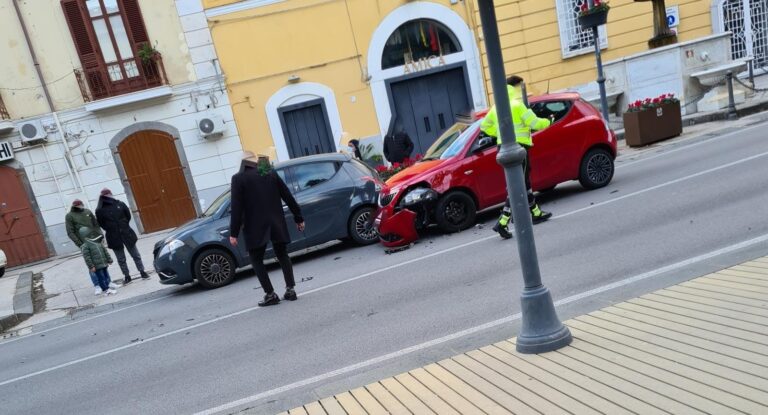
[(20, 236)]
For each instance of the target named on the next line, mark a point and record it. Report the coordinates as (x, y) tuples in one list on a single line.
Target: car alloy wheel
[(361, 228), (597, 169), (214, 268)]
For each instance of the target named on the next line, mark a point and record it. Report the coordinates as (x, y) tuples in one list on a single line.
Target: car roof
[(559, 96), (327, 157)]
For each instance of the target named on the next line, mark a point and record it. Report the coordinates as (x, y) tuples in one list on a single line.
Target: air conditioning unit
[(32, 132), (211, 125)]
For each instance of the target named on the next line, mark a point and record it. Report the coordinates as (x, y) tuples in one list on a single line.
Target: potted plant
[(652, 119), (597, 15), (147, 52), (369, 157)]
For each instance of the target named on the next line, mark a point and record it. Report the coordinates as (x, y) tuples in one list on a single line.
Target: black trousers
[(527, 173), (257, 260)]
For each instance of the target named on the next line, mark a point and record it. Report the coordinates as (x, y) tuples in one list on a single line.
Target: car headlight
[(171, 247), (418, 195)]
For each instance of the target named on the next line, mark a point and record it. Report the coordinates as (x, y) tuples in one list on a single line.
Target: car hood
[(415, 173), (186, 228)]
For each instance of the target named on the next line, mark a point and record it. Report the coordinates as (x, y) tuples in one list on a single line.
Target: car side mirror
[(484, 143)]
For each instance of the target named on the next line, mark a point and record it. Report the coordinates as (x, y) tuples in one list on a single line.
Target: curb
[(23, 306), (721, 115)]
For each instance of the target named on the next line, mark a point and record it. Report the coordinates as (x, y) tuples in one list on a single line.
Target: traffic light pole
[(541, 330)]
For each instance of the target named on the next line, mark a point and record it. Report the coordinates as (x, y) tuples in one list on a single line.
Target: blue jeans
[(103, 277), (95, 279)]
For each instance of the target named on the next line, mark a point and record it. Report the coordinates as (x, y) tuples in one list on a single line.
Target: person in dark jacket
[(115, 218), (257, 209), (397, 145), (79, 217), (96, 258)]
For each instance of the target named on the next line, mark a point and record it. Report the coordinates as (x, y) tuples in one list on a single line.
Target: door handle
[(469, 172), (426, 124)]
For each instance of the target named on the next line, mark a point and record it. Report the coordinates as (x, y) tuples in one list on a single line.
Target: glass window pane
[(105, 42), (121, 36), (111, 6), (310, 175), (416, 40), (131, 70), (94, 8), (115, 74)]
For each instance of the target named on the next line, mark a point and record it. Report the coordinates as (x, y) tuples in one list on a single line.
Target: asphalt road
[(669, 215)]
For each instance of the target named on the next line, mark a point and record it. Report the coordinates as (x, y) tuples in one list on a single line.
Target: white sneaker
[(114, 286), (97, 290), (111, 291)]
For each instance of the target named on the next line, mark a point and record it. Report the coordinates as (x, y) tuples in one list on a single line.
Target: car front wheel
[(214, 268), (455, 211), (596, 169), (361, 229)]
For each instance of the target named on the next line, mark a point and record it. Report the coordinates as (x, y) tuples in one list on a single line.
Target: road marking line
[(659, 186), (482, 327), (559, 216)]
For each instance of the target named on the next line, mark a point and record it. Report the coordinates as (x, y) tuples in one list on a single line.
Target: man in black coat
[(397, 146), (115, 218), (257, 208)]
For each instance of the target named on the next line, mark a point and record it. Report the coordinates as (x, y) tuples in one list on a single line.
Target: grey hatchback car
[(337, 195)]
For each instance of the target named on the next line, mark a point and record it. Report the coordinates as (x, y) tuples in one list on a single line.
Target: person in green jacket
[(525, 122), (96, 258), (78, 217)]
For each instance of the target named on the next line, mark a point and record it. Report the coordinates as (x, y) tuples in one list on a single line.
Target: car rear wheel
[(361, 229), (214, 268), (455, 212), (596, 169)]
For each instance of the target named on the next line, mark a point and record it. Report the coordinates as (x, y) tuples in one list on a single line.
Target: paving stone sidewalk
[(697, 347)]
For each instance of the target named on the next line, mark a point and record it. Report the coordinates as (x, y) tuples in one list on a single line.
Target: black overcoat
[(114, 217), (257, 208)]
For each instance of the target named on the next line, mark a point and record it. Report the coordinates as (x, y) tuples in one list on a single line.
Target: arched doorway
[(20, 236), (424, 66), (155, 175), (430, 93)]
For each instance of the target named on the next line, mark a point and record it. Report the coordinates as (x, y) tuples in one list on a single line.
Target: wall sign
[(6, 152), (673, 16), (423, 64)]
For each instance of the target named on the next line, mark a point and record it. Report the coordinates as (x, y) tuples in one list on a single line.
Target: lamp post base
[(542, 331)]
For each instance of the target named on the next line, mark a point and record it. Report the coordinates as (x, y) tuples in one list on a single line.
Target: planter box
[(593, 19), (649, 126)]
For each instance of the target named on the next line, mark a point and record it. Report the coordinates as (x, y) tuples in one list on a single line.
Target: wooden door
[(307, 129), (156, 177), (20, 236)]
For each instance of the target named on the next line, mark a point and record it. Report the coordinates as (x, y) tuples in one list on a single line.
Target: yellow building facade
[(302, 72)]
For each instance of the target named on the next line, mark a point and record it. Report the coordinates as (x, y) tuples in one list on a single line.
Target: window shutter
[(85, 43), (79, 29), (135, 23)]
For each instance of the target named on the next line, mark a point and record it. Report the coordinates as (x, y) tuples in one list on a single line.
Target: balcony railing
[(97, 83), (3, 111)]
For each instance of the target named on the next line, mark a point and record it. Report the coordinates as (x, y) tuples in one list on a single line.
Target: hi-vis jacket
[(523, 119)]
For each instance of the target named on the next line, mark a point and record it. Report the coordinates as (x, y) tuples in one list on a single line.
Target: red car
[(459, 175)]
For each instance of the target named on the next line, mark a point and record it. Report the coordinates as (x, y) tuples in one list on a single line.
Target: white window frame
[(566, 22)]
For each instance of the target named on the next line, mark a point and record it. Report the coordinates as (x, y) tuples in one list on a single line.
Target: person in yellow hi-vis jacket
[(525, 122)]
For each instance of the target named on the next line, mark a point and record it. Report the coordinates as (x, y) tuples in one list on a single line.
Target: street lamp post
[(600, 75), (541, 330)]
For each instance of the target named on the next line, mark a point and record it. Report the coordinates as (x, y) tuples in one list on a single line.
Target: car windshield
[(452, 142), (216, 204)]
